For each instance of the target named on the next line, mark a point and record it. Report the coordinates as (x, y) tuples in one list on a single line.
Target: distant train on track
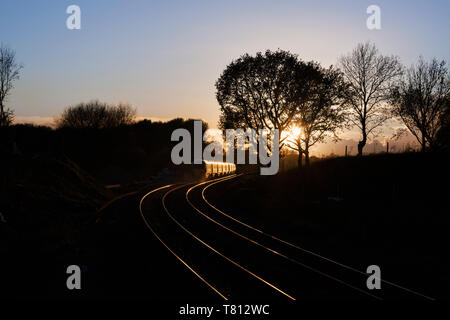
[(216, 169), (206, 169)]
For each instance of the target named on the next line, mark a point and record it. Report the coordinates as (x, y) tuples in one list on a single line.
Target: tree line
[(278, 90)]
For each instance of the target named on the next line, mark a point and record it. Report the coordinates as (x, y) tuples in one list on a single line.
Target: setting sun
[(290, 135)]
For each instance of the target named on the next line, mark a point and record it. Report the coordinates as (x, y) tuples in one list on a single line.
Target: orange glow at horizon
[(291, 135)]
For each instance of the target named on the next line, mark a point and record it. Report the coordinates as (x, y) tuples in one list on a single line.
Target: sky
[(163, 57)]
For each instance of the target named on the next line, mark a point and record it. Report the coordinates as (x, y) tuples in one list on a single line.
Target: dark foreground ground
[(388, 210)]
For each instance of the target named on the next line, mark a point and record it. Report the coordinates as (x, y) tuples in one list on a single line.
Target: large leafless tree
[(369, 75), (421, 100), (9, 72)]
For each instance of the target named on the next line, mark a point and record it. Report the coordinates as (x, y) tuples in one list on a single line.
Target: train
[(217, 169), (204, 170)]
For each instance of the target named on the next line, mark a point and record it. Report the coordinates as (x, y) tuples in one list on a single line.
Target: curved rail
[(170, 250), (273, 250), (217, 251), (300, 248)]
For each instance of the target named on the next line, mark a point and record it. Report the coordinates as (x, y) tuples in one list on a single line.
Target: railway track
[(224, 280), (164, 243), (236, 260), (394, 290)]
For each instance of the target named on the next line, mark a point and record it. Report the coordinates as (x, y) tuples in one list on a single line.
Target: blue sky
[(163, 57)]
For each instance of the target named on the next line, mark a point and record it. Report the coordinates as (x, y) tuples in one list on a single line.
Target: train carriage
[(214, 168)]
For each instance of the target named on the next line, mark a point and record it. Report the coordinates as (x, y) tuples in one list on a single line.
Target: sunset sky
[(163, 57)]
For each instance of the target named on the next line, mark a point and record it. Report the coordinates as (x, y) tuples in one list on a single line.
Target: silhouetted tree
[(96, 115), (369, 75), (9, 72), (323, 114), (263, 91), (443, 135), (421, 100)]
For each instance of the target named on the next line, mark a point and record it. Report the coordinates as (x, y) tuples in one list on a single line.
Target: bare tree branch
[(9, 72), (421, 100), (369, 75)]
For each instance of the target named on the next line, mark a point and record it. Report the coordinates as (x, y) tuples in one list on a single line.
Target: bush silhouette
[(96, 115)]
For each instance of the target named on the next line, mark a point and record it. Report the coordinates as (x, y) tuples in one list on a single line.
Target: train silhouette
[(204, 170), (216, 169)]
